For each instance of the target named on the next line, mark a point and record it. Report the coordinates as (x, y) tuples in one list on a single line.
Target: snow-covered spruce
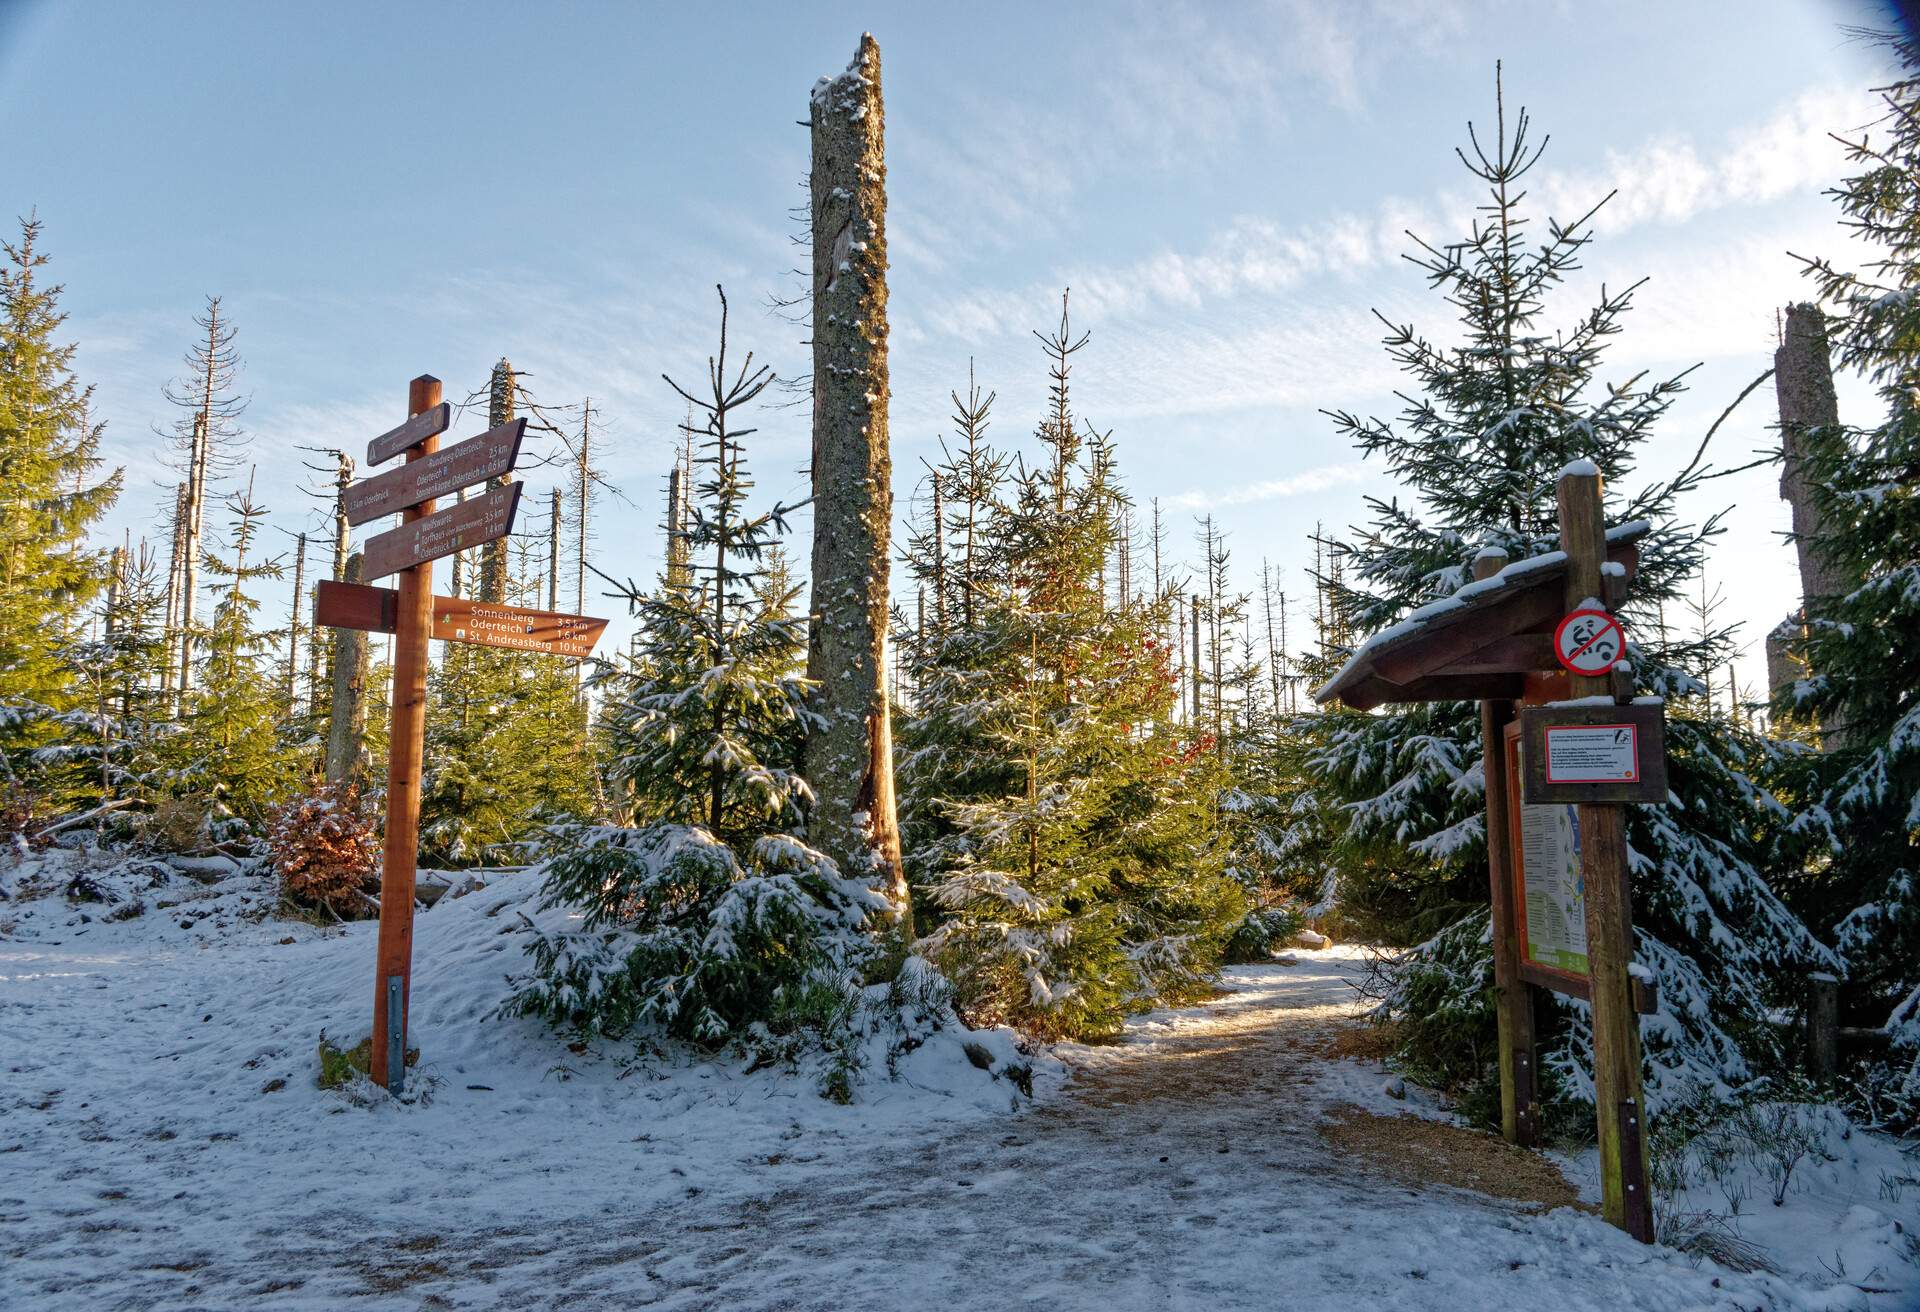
[(1489, 425), (1859, 877)]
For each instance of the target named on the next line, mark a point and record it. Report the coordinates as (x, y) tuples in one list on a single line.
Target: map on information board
[(1555, 895)]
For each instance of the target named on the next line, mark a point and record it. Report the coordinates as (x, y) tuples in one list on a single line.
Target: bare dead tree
[(849, 752), (206, 441)]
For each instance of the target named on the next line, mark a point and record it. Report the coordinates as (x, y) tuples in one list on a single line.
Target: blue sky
[(381, 190)]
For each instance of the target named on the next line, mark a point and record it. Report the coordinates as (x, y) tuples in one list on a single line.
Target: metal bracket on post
[(1639, 1203), (396, 1035)]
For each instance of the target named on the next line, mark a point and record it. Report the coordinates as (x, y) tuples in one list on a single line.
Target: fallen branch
[(73, 820)]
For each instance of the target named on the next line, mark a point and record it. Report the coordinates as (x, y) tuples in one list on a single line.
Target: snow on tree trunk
[(850, 750)]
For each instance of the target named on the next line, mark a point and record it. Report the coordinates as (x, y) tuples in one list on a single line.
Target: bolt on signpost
[(413, 615)]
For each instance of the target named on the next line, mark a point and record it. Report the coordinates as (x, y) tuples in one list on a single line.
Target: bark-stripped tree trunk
[(500, 410), (190, 550), (676, 528), (1803, 385), (176, 579), (294, 626), (553, 555), (347, 716), (850, 750)]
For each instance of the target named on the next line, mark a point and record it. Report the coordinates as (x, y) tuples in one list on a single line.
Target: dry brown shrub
[(324, 848), (178, 825)]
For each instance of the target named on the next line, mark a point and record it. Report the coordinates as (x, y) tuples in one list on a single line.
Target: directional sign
[(454, 529), (355, 606), (1589, 641), (415, 431), (463, 464), (460, 619)]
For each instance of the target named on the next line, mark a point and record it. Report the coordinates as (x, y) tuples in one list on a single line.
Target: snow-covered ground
[(162, 1145)]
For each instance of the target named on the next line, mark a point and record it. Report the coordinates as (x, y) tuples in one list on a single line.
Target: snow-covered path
[(162, 1146)]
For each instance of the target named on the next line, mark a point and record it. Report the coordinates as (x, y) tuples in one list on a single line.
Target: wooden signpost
[(1620, 1111), (1577, 748), (412, 614)]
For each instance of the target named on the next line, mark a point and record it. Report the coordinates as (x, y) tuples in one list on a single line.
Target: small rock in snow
[(1395, 1087)]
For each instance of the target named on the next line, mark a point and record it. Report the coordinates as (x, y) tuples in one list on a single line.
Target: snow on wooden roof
[(1478, 642)]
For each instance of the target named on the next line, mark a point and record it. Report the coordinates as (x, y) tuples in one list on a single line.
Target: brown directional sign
[(355, 606), (447, 470), (453, 529), (417, 429), (460, 619)]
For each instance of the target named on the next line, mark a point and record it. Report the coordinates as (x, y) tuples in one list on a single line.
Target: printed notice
[(1593, 754), (1555, 894)]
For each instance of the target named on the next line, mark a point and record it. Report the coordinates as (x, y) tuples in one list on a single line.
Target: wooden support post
[(1619, 1108), (413, 621), (1823, 1026), (1513, 996)]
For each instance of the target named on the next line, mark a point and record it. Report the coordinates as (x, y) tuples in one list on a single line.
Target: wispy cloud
[(1670, 179), (1322, 479)]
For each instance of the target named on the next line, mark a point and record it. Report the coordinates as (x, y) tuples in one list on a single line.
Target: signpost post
[(1619, 1107), (412, 614), (1558, 772)]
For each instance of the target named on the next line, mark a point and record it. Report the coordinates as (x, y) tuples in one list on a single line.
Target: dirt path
[(1187, 1168), (1202, 1162)]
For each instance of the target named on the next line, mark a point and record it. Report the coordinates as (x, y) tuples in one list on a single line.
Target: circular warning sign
[(1589, 641)]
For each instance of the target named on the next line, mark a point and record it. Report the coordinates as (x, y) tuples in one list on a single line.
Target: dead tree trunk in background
[(294, 626), (1803, 385), (347, 716), (190, 549), (676, 528), (493, 556), (176, 579), (553, 555), (850, 752)]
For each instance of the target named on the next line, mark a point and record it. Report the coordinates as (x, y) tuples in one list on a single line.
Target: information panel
[(1554, 898), (1592, 753)]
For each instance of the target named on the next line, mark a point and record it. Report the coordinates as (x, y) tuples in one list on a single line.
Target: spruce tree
[(1863, 885), (706, 918), (1073, 869), (232, 747), (50, 494), (1485, 429)]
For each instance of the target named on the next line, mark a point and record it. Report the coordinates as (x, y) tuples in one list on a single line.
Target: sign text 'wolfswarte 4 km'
[(412, 614)]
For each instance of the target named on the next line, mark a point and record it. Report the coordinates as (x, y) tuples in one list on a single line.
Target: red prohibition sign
[(1589, 641)]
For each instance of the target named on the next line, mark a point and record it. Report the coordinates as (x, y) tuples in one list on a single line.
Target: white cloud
[(1322, 479)]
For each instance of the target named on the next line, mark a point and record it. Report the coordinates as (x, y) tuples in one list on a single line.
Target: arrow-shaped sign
[(463, 464), (460, 619), (416, 430), (441, 534)]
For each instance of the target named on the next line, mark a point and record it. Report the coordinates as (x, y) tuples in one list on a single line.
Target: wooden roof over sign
[(1480, 642)]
